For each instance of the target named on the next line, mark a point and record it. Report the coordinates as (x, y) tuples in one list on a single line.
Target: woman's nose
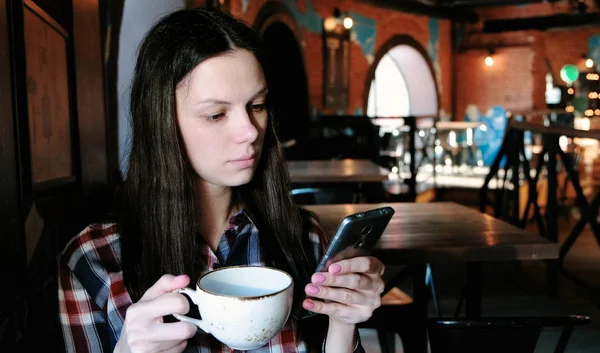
[(245, 129)]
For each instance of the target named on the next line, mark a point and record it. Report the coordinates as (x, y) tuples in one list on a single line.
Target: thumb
[(165, 284)]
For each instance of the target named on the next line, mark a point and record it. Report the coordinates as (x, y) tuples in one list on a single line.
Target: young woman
[(206, 187)]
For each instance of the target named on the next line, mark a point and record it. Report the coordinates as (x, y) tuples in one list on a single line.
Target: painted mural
[(364, 33), (594, 49), (489, 139), (433, 49), (309, 19)]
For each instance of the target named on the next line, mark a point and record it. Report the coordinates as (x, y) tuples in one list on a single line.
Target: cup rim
[(244, 297)]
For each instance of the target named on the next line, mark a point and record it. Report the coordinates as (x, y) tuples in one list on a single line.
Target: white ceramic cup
[(242, 306)]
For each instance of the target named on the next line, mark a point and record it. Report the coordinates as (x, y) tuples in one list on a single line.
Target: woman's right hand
[(144, 329)]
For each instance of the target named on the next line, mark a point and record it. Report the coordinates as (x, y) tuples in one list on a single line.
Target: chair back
[(320, 196), (498, 335)]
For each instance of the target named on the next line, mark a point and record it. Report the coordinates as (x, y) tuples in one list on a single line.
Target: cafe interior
[(477, 120)]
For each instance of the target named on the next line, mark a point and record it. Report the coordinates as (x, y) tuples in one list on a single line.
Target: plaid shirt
[(93, 298)]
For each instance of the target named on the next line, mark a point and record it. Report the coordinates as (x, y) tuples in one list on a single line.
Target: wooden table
[(443, 232), (421, 233), (332, 171)]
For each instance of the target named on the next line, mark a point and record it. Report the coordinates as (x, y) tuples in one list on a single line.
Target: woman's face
[(222, 117)]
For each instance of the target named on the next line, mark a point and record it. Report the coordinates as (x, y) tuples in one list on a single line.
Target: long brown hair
[(157, 217)]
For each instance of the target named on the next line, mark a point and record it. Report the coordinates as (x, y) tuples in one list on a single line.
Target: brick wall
[(517, 80), (387, 24), (507, 83), (532, 10)]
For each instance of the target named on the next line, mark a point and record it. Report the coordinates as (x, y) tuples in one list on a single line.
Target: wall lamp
[(335, 22), (489, 59)]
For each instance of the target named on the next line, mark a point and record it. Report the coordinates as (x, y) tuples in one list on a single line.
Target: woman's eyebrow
[(212, 100), (262, 91)]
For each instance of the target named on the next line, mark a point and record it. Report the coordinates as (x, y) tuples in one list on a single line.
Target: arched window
[(388, 95), (402, 81)]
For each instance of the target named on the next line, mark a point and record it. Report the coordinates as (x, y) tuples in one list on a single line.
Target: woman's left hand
[(351, 290)]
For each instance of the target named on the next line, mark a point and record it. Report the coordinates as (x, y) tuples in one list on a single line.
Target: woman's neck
[(216, 206)]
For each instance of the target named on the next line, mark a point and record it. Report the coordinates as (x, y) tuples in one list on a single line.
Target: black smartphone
[(356, 236)]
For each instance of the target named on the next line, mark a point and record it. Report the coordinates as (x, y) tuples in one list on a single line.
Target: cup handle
[(199, 323)]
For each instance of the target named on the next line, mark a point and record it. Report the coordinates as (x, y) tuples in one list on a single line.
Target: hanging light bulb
[(589, 63), (489, 60)]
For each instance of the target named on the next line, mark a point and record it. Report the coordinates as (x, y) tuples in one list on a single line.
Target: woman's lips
[(244, 162)]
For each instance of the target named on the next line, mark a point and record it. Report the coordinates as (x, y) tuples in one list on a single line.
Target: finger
[(166, 304), (175, 331), (361, 264), (177, 349), (165, 284), (332, 309), (161, 337), (354, 281), (141, 343), (340, 295)]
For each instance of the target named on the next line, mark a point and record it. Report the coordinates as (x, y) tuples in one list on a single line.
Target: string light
[(570, 90), (592, 77), (593, 95), (570, 109), (589, 112), (597, 112)]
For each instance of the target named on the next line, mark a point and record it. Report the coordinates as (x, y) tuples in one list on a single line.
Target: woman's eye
[(215, 117), (259, 107)]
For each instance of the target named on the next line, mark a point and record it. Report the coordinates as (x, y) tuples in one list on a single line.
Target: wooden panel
[(90, 92), (443, 232), (8, 155), (12, 249), (47, 98), (346, 170)]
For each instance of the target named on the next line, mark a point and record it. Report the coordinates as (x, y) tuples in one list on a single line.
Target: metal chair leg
[(431, 285), (387, 341)]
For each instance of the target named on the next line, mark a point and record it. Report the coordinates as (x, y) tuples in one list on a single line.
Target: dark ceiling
[(465, 10), (476, 3)]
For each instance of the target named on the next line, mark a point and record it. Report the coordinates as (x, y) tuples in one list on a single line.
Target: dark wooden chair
[(498, 334), (64, 216), (397, 312), (322, 196)]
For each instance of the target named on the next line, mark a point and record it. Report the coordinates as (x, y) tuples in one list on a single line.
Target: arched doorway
[(401, 81), (289, 86)]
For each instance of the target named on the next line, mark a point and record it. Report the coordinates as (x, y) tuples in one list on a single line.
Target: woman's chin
[(241, 178)]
